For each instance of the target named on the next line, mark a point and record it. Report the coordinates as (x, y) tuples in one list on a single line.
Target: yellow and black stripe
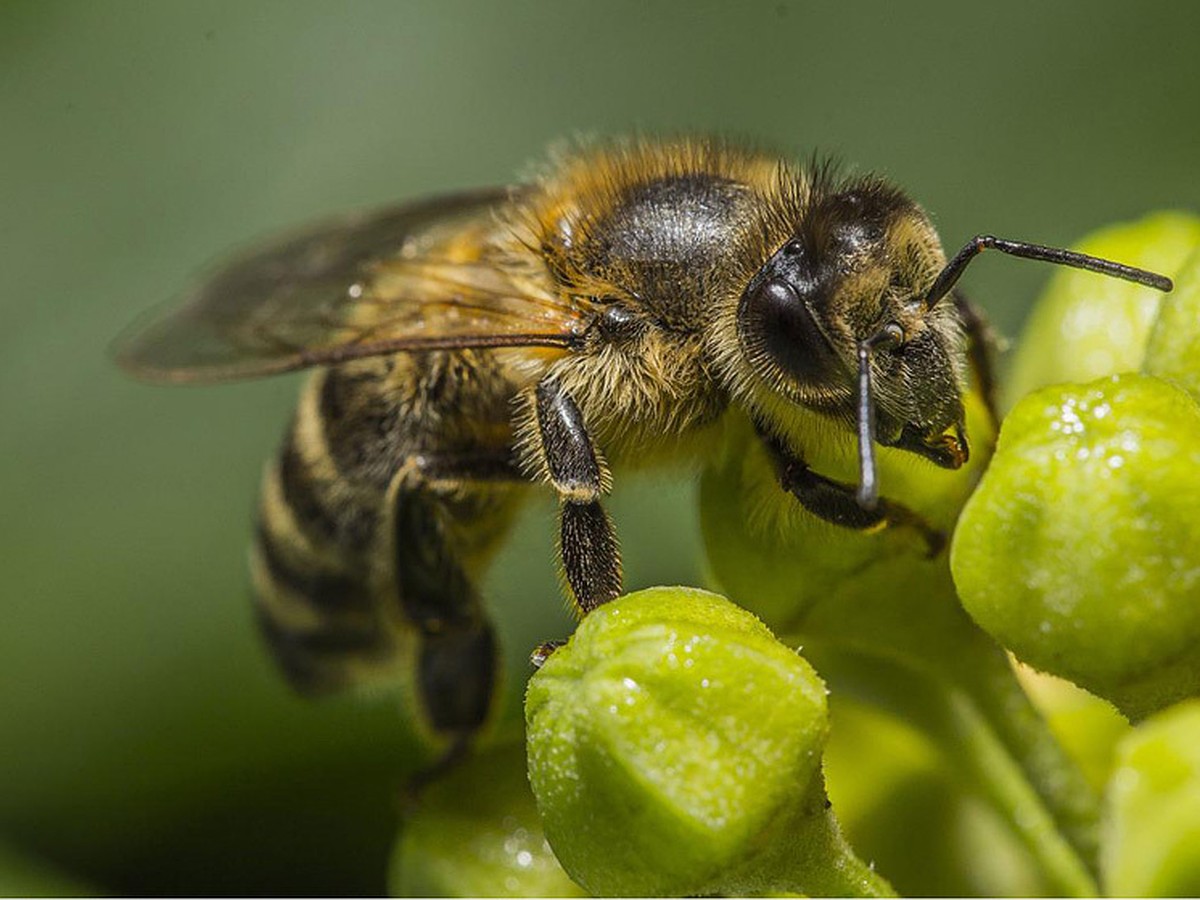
[(367, 550)]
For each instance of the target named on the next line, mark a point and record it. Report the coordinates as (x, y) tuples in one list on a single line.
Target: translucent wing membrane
[(346, 289)]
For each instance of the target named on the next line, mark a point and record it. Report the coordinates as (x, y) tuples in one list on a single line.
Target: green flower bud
[(1079, 549), (1173, 350), (1086, 326), (675, 748), (476, 833), (1152, 834)]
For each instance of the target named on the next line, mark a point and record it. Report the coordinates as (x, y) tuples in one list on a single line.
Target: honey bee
[(611, 312)]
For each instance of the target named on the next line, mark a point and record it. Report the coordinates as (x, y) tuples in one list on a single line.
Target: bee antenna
[(954, 269), (868, 473)]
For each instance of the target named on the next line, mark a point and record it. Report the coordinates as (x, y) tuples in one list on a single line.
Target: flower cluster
[(677, 746)]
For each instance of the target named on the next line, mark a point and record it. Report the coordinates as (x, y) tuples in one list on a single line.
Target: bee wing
[(343, 290)]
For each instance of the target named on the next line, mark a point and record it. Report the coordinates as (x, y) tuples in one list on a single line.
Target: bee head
[(836, 321)]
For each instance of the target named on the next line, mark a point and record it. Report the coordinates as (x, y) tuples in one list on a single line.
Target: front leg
[(565, 454), (837, 502)]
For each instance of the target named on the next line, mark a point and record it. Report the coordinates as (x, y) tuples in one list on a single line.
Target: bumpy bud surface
[(675, 748), (1079, 551), (1152, 836)]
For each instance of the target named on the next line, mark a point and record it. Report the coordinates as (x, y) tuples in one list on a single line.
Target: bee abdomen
[(315, 599), (326, 593), (355, 585), (314, 603), (324, 659)]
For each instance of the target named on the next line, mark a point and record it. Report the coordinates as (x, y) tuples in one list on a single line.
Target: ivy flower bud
[(675, 748), (1084, 326), (476, 833), (1078, 551), (1173, 349)]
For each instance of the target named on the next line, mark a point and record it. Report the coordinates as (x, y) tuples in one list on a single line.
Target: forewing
[(343, 290)]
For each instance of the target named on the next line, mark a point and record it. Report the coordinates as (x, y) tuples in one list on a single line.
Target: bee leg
[(457, 655), (982, 346), (457, 652), (590, 557), (543, 652), (837, 502)]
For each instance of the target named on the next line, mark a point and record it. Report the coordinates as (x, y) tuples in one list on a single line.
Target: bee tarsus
[(543, 652)]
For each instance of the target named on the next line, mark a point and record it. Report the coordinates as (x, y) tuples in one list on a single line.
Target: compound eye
[(618, 323), (777, 321)]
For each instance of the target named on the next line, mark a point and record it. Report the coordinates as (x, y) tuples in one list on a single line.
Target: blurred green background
[(145, 744)]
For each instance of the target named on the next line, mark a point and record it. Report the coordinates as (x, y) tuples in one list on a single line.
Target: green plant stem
[(927, 661), (806, 854), (1013, 789), (835, 869), (1000, 748), (827, 866), (986, 689)]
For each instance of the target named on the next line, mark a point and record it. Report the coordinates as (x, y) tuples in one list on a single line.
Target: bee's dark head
[(854, 275)]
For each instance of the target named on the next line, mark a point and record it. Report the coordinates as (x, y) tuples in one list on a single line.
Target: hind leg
[(447, 514), (353, 590)]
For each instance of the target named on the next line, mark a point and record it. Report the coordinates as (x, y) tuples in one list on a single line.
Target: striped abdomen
[(374, 521)]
